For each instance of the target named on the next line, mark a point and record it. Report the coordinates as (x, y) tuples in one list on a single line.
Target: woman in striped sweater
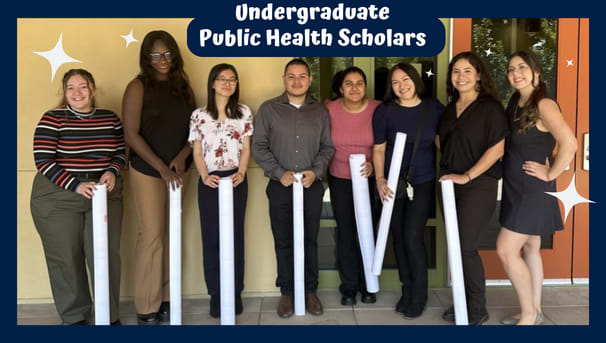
[(77, 146)]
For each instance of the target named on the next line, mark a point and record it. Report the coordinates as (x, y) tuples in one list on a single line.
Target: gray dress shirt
[(291, 139)]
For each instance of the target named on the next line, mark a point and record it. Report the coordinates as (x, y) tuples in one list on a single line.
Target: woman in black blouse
[(156, 107), (472, 139)]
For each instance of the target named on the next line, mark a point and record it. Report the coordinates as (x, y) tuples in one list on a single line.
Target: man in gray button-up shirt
[(292, 134)]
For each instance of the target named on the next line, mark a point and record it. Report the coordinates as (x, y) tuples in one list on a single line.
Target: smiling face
[(521, 75), (464, 76), (353, 87), (225, 83), (79, 93), (160, 65), (402, 85), (296, 80)]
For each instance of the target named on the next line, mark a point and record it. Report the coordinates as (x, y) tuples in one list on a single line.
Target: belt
[(91, 175)]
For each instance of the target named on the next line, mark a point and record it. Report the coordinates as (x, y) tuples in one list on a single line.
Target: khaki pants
[(64, 221), (151, 255)]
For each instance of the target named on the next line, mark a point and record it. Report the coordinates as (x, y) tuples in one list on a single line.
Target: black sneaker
[(215, 306), (348, 298), (164, 312)]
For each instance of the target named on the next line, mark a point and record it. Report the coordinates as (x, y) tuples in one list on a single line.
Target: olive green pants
[(64, 221)]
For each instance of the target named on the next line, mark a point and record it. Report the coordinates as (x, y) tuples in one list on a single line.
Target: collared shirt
[(291, 139)]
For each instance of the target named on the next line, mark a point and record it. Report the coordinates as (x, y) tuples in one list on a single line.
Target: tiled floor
[(561, 306)]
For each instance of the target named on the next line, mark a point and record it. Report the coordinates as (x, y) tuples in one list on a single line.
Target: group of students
[(77, 146)]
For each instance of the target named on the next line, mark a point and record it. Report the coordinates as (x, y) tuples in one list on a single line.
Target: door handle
[(586, 151)]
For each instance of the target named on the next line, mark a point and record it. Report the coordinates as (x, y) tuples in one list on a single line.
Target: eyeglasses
[(156, 56), (231, 82)]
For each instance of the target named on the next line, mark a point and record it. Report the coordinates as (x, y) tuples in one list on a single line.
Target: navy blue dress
[(525, 208)]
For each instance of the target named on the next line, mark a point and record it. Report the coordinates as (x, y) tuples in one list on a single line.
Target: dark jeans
[(208, 202), (281, 216), (349, 257), (476, 202), (407, 228)]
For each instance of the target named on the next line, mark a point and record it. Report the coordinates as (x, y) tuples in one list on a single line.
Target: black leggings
[(208, 202)]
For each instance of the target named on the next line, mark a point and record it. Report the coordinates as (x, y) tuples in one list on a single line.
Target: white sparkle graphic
[(569, 63), (56, 56), (570, 197), (429, 73), (488, 52), (129, 38)]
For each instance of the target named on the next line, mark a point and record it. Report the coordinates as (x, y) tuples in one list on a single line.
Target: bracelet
[(469, 176)]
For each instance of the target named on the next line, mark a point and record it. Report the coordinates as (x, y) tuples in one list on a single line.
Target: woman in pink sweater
[(352, 133)]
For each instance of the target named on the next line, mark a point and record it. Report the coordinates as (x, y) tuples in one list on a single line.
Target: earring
[(478, 86)]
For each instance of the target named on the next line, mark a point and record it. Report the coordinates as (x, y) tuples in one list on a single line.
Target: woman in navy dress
[(528, 172)]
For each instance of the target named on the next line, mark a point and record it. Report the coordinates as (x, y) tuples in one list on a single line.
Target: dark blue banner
[(306, 28)]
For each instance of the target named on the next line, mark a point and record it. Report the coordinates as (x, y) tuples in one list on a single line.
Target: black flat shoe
[(449, 314), (348, 298), (147, 319), (368, 298), (478, 319), (117, 322), (414, 311), (402, 304), (164, 312), (215, 306), (239, 305)]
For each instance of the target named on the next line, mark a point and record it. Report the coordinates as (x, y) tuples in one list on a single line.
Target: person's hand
[(86, 189), (459, 179), (211, 181), (540, 171), (173, 181), (237, 179), (288, 178), (109, 179), (367, 169), (308, 178), (385, 193), (177, 165)]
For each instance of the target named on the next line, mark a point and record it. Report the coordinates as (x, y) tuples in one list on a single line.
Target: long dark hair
[(232, 110), (530, 112), (177, 78), (86, 75), (486, 84), (412, 72)]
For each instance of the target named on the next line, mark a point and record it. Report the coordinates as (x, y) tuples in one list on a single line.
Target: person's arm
[(209, 180), (324, 155), (118, 161), (132, 104), (490, 157), (551, 118), (260, 148), (378, 160)]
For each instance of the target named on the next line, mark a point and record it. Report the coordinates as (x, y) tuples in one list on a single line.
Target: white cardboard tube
[(392, 183), (101, 255), (361, 197), (298, 246), (455, 261), (226, 251), (174, 258)]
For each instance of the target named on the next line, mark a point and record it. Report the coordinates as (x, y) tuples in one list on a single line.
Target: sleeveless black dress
[(525, 207)]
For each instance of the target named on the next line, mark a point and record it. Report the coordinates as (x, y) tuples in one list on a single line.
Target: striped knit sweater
[(67, 142)]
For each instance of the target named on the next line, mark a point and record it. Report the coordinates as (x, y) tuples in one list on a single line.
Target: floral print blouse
[(221, 140)]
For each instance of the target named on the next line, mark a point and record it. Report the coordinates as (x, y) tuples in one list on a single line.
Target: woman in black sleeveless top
[(156, 107), (529, 171)]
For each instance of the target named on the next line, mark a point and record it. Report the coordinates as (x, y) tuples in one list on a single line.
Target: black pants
[(281, 216), (476, 202), (208, 202), (407, 229), (349, 256)]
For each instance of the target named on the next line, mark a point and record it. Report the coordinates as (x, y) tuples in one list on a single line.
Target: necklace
[(81, 115)]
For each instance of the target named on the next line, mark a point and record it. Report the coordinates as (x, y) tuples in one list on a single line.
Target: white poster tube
[(101, 255), (298, 245), (363, 215), (174, 258), (226, 251), (392, 183), (455, 262)]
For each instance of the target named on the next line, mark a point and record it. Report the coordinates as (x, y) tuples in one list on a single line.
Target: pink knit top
[(351, 134)]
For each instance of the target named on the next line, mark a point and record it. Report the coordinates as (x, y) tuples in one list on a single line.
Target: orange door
[(573, 97)]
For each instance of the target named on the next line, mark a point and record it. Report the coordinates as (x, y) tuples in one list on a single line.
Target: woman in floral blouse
[(220, 136)]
